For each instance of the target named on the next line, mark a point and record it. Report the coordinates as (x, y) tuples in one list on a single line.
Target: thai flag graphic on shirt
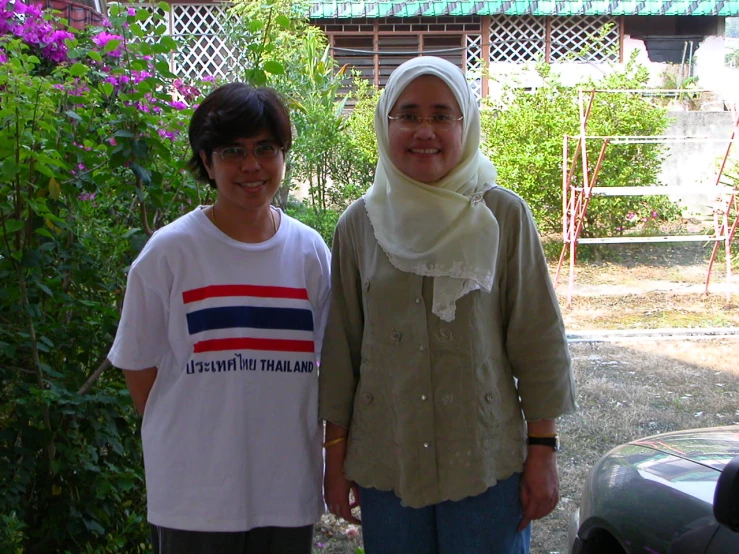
[(249, 317)]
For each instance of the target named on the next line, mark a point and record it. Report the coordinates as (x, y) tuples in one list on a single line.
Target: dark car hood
[(712, 447)]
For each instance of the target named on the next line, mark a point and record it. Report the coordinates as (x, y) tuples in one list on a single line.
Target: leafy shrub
[(523, 136), (91, 145)]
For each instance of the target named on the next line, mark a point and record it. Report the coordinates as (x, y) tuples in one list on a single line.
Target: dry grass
[(632, 389)]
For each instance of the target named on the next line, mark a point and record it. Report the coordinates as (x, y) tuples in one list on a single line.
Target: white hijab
[(443, 230)]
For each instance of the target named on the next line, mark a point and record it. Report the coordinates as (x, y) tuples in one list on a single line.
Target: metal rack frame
[(576, 198)]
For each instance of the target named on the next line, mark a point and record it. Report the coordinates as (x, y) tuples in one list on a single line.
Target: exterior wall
[(692, 164), (80, 15)]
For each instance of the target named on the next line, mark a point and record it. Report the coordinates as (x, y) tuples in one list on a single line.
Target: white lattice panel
[(517, 39), (199, 19), (201, 29), (474, 65), (584, 39)]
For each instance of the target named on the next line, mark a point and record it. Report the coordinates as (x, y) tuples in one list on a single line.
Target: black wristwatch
[(552, 442)]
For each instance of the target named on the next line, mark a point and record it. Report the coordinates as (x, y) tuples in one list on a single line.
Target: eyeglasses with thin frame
[(238, 153), (411, 122)]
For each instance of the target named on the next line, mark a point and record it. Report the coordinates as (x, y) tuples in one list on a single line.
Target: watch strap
[(552, 442)]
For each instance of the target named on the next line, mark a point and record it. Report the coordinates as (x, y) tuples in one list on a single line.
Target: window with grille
[(584, 39), (519, 39), (391, 50)]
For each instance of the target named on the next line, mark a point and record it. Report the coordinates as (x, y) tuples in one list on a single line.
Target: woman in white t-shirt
[(219, 339)]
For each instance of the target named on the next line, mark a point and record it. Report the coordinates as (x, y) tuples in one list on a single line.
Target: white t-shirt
[(230, 433)]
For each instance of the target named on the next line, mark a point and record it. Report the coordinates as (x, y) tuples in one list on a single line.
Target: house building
[(496, 37), (489, 40)]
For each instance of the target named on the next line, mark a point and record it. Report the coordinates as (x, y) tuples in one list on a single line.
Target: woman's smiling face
[(424, 152)]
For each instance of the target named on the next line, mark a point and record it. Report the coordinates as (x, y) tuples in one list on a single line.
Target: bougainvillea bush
[(91, 163)]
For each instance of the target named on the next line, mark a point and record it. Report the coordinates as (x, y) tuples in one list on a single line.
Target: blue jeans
[(483, 524)]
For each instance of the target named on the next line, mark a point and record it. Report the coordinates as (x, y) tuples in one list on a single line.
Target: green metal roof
[(330, 9)]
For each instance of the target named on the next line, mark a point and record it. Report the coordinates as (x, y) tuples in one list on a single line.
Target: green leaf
[(55, 190), (47, 290), (123, 133), (43, 232), (46, 368), (255, 25), (136, 30), (142, 173), (80, 69), (273, 67), (107, 88), (13, 226), (168, 42), (73, 115), (131, 232), (257, 77), (163, 6), (95, 56), (283, 21), (111, 45), (94, 526)]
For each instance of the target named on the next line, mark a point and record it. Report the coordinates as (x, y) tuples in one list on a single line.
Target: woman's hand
[(336, 487), (539, 484)]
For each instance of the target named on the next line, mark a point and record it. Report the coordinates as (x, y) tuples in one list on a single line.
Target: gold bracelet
[(333, 442), (551, 436)]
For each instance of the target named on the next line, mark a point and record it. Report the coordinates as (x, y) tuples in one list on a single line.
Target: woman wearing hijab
[(445, 362)]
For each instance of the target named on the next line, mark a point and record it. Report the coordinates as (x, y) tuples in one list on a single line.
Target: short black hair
[(235, 111)]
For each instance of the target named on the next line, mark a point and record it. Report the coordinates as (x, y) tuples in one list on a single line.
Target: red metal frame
[(575, 199)]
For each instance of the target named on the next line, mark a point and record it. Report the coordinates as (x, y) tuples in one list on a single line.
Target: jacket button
[(424, 397), (418, 300), (489, 398), (395, 336), (444, 334), (367, 397), (366, 286)]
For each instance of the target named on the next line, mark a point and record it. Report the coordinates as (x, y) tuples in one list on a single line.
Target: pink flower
[(33, 32), (139, 76), (103, 38), (32, 11), (167, 134), (56, 49), (3, 57), (177, 105), (131, 12)]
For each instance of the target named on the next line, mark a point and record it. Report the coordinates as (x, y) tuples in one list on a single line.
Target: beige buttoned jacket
[(436, 410)]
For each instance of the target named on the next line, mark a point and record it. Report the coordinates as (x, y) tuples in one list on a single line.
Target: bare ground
[(629, 389)]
